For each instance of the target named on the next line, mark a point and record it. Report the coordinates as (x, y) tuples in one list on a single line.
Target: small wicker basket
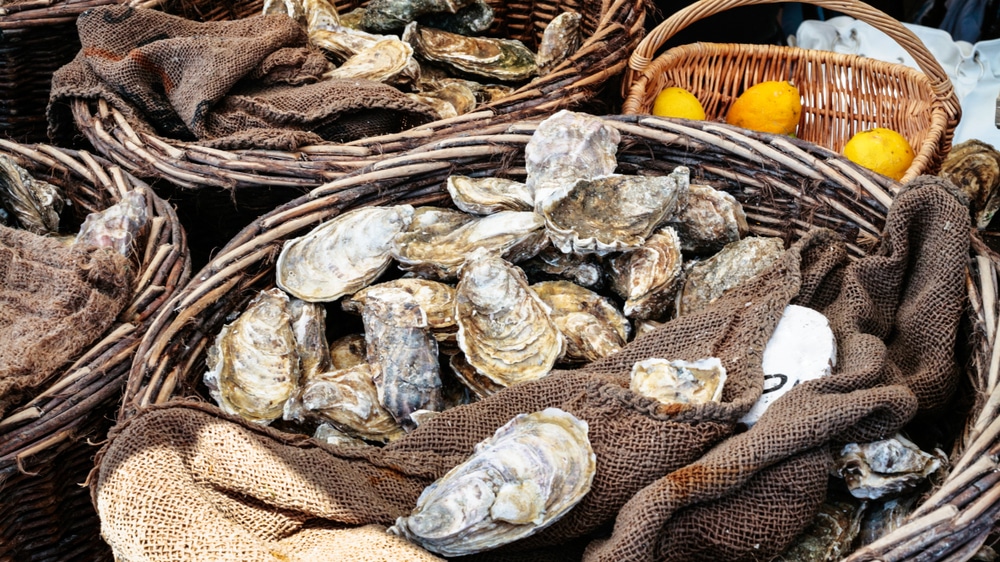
[(47, 445), (841, 94)]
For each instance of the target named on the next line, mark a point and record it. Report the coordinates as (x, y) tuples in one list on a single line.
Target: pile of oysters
[(431, 49)]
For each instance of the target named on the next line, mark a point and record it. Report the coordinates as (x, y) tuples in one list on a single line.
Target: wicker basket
[(841, 94), (47, 445)]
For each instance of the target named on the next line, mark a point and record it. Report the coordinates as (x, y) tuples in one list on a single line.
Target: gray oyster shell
[(679, 382), (389, 60), (343, 255), (883, 517), (648, 278), (525, 477), (436, 299), (33, 204), (385, 16), (831, 534), (504, 329), (485, 196), (330, 435), (309, 327), (561, 38), (566, 147), (403, 355), (974, 167), (348, 351), (507, 60), (118, 227), (473, 19), (592, 325), (581, 269), (254, 364), (885, 468), (710, 220), (708, 280)]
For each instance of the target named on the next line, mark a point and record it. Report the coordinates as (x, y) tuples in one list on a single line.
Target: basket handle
[(644, 53)]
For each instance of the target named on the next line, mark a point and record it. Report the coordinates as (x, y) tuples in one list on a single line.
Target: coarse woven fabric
[(54, 302), (249, 83), (184, 481)]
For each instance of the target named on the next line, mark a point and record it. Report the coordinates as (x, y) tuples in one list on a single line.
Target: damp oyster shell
[(348, 351), (386, 16), (707, 280), (343, 255), (679, 382), (710, 220), (344, 42), (648, 277), (507, 60), (32, 203), (504, 329), (485, 196), (473, 19), (436, 299), (254, 364), (352, 19), (119, 227), (385, 61), (974, 166), (480, 386), (566, 147), (592, 325), (525, 477), (884, 468), (551, 263), (561, 38), (309, 328)]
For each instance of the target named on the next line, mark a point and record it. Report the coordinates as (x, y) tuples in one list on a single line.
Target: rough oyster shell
[(456, 94), (591, 324), (643, 327), (566, 147), (383, 16), (473, 19), (504, 329), (348, 351), (435, 251), (532, 471), (118, 227), (290, 8), (710, 220), (479, 385), (436, 299), (385, 61), (831, 534), (442, 108), (485, 196), (343, 255), (402, 354), (352, 19), (507, 60), (974, 166), (707, 280), (884, 468), (561, 38), (648, 277), (33, 204), (679, 382), (320, 14), (330, 435), (578, 268), (309, 327), (253, 364), (344, 42)]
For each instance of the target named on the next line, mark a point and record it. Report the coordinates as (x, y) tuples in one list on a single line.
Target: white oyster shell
[(592, 325), (384, 61), (566, 147), (561, 38), (679, 382), (648, 277), (884, 468), (532, 471), (118, 227), (485, 196), (309, 327), (436, 299)]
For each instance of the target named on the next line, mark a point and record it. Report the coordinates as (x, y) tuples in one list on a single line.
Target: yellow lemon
[(769, 107), (677, 102), (881, 150)]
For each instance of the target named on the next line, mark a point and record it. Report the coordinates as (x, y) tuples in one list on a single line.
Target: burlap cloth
[(185, 482), (54, 302), (231, 84)]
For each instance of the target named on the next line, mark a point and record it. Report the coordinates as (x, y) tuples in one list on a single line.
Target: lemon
[(881, 150), (768, 107), (678, 102)]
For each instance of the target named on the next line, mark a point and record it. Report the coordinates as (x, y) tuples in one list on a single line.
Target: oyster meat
[(974, 166), (679, 382), (507, 60), (648, 277), (34, 205), (485, 196), (253, 364), (385, 61), (566, 147), (550, 263), (343, 255), (885, 468), (436, 299), (309, 327), (118, 227), (710, 220), (402, 354), (348, 351), (591, 324), (387, 16), (473, 19), (504, 329), (561, 38), (525, 477), (708, 280)]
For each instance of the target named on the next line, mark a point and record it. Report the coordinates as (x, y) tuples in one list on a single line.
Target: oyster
[(320, 14), (679, 382), (333, 436), (884, 517), (612, 213), (648, 277), (551, 263), (566, 147), (33, 204), (352, 19), (432, 251), (884, 468), (484, 196), (974, 166), (343, 255), (479, 385), (385, 61), (458, 95), (490, 93), (402, 353), (344, 42), (118, 227), (473, 19), (591, 324), (290, 8), (507, 60), (309, 326), (561, 38), (383, 16), (707, 280), (643, 327), (525, 477), (253, 364), (436, 299), (442, 108), (710, 220), (504, 329), (831, 534), (348, 351)]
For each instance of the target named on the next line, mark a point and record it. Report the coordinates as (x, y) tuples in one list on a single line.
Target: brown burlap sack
[(245, 83), (54, 301)]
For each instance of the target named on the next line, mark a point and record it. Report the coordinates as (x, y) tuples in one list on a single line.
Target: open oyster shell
[(485, 196), (119, 227), (884, 468), (384, 16), (385, 61), (648, 277), (710, 220), (550, 263), (592, 325), (566, 147), (507, 60), (436, 299), (343, 255), (707, 280), (309, 327), (561, 38), (348, 351), (34, 205), (679, 382), (473, 19), (532, 471)]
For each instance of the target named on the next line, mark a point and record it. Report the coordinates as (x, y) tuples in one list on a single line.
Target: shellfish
[(348, 351), (679, 382), (561, 38), (472, 19), (507, 60), (118, 227), (591, 324), (33, 204), (385, 61), (383, 16), (884, 468), (566, 147), (309, 328), (550, 264), (436, 299), (484, 196), (708, 280), (648, 277), (710, 220)]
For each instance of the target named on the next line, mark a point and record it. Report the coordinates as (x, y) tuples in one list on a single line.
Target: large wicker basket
[(841, 94), (47, 445)]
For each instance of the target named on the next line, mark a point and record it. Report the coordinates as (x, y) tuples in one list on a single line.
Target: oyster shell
[(436, 299), (710, 220), (679, 382), (473, 19), (290, 8), (643, 327), (352, 19), (458, 95), (507, 60), (566, 147), (33, 204), (591, 324), (431, 250), (884, 468), (402, 354), (504, 329), (829, 536), (344, 42), (442, 108), (974, 166), (384, 16), (551, 263), (479, 385), (612, 213), (348, 351), (343, 255), (525, 477), (385, 61), (309, 326), (253, 364), (320, 14), (884, 517), (118, 227), (648, 277), (333, 436), (485, 196), (561, 38), (707, 280)]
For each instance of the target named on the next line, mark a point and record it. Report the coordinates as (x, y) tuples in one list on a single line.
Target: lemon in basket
[(768, 107), (678, 102), (880, 150)]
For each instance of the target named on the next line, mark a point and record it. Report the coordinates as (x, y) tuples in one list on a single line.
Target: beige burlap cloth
[(246, 83), (54, 302), (185, 482)]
